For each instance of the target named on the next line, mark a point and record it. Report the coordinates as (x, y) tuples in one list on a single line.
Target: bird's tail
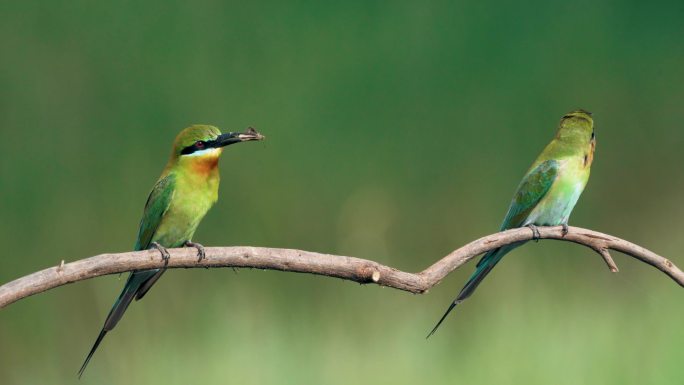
[(484, 266), (133, 284), (99, 339)]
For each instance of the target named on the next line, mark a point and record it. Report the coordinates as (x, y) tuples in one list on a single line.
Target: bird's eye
[(199, 144)]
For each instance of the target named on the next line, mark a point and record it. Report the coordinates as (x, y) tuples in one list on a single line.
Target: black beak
[(237, 137)]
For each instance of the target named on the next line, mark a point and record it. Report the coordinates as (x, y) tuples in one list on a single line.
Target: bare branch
[(349, 268)]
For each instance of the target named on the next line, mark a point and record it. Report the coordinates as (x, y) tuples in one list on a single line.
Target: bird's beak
[(236, 137)]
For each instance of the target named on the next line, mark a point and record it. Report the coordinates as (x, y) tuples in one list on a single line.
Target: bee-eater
[(185, 191), (547, 193)]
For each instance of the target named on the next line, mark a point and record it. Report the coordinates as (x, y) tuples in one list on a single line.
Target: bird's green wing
[(531, 190), (157, 204)]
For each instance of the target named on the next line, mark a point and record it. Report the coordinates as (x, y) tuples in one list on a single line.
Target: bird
[(547, 193), (185, 191)]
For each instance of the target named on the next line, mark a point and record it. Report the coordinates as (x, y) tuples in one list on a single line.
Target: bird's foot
[(565, 230), (164, 253), (536, 236), (201, 254)]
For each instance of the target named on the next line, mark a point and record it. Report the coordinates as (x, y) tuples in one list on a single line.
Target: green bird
[(185, 191), (547, 193)]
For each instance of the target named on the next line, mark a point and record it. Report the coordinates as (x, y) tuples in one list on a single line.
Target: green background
[(397, 131)]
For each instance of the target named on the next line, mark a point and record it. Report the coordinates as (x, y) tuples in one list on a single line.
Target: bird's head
[(577, 125), (201, 145), (202, 140)]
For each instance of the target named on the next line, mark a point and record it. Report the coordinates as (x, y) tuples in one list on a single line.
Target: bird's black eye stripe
[(189, 149), (198, 146)]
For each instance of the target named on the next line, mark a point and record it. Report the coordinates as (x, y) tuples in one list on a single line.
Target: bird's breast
[(192, 199), (558, 203)]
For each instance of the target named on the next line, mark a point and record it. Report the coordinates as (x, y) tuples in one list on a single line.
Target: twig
[(349, 268)]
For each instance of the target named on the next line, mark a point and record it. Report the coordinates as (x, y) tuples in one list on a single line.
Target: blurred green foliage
[(397, 131)]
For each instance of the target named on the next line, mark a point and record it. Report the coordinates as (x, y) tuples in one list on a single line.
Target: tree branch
[(349, 268)]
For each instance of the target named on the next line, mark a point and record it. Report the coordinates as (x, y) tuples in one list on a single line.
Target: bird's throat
[(589, 157), (204, 166)]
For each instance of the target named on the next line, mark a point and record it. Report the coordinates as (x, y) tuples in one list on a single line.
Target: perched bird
[(185, 191), (547, 193)]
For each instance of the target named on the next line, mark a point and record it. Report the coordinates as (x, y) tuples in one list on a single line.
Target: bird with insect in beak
[(547, 193), (185, 191)]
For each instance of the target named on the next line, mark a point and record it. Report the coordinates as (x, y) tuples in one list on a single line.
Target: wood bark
[(348, 268)]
